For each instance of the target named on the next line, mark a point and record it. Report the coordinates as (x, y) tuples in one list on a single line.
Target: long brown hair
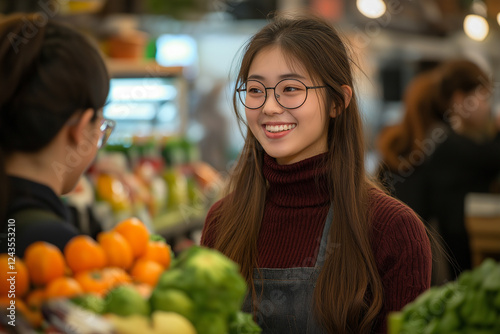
[(348, 293), (464, 76), (421, 112), (428, 102)]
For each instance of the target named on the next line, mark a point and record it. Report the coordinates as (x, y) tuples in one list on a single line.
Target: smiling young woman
[(322, 248)]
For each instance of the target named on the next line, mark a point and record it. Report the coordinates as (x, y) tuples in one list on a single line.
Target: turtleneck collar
[(301, 184)]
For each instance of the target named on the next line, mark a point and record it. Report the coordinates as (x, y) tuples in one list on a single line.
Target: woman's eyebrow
[(283, 76)]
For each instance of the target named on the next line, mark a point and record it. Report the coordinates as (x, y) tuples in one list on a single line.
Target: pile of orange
[(124, 255)]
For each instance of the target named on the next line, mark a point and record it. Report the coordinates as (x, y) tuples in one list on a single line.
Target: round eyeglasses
[(106, 128), (289, 93)]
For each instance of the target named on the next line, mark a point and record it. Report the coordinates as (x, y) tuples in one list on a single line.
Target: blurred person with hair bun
[(53, 85)]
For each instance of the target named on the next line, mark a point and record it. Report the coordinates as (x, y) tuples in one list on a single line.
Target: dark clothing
[(54, 227), (293, 224), (457, 167), (437, 188), (410, 187)]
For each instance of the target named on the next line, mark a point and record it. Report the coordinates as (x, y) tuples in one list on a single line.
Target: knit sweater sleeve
[(403, 254)]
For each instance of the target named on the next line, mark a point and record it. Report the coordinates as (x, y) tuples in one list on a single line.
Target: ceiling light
[(498, 18), (476, 27), (371, 8)]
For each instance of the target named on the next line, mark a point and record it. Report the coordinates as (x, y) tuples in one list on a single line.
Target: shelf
[(139, 68), (178, 223)]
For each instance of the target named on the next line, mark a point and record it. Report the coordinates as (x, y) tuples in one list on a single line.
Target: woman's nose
[(271, 106)]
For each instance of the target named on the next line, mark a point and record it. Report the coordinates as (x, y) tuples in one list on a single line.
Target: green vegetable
[(469, 305), (207, 288), (492, 282), (90, 302), (125, 300), (172, 300), (450, 321), (210, 279), (496, 301), (211, 323), (242, 323)]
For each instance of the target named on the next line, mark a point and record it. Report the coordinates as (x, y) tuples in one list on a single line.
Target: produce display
[(151, 177), (207, 288), (471, 304), (126, 281)]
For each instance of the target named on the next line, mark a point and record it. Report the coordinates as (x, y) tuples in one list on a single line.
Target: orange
[(84, 253), (147, 271), (45, 262), (136, 233), (93, 281), (5, 301), (35, 298), (158, 251), (34, 301), (19, 279), (117, 249), (112, 190), (115, 276), (63, 287)]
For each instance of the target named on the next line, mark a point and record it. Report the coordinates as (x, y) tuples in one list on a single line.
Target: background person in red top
[(323, 250)]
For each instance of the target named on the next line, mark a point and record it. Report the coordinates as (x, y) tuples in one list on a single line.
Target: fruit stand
[(126, 281)]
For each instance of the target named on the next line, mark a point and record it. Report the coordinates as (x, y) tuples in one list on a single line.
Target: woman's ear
[(77, 132), (347, 100)]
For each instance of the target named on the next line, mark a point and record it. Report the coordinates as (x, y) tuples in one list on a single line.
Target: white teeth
[(279, 128)]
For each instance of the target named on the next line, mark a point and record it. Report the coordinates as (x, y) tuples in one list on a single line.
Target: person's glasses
[(106, 128), (289, 93)]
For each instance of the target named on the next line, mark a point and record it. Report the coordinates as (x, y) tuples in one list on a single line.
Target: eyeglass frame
[(274, 88), (105, 125)]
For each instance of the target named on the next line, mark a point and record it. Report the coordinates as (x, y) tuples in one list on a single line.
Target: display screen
[(143, 106)]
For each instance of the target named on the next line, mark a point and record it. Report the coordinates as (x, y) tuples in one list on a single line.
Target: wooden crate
[(482, 220)]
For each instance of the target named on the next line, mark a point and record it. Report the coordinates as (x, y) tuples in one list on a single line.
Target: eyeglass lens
[(289, 93), (107, 127)]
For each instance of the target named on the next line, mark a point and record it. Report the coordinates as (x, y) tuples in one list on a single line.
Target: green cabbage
[(207, 288)]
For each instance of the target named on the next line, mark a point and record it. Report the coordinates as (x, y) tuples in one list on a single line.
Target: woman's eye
[(290, 89), (254, 90)]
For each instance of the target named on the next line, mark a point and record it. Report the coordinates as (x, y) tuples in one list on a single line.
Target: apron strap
[(320, 259)]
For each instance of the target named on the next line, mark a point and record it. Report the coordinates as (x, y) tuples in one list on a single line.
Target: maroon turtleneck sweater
[(294, 217)]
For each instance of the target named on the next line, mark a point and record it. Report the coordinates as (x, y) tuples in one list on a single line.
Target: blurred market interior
[(172, 63)]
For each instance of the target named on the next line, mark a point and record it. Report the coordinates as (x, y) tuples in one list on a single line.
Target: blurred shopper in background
[(405, 147), (468, 160), (322, 248), (53, 86), (448, 145)]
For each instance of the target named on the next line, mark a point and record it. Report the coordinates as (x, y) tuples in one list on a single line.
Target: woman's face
[(83, 153), (474, 108), (288, 135)]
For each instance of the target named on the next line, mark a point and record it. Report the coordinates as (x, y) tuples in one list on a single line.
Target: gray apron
[(286, 302)]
